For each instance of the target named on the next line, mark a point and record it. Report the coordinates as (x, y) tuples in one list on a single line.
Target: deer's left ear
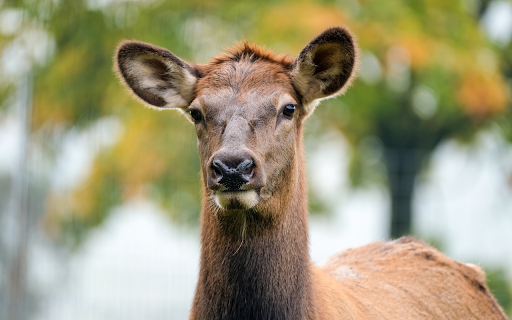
[(326, 66)]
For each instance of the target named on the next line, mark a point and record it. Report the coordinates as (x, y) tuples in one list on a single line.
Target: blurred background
[(99, 197)]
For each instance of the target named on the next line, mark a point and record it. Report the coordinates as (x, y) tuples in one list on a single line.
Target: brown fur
[(247, 50), (255, 260)]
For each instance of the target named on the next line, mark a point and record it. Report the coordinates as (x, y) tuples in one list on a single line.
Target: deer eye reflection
[(196, 115), (289, 110)]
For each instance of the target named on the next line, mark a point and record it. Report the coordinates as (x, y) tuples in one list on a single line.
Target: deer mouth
[(236, 200)]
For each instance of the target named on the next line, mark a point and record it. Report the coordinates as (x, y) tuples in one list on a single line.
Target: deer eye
[(196, 115), (289, 110)]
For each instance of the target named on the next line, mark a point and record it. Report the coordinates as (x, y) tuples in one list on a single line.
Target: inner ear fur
[(155, 75), (326, 66)]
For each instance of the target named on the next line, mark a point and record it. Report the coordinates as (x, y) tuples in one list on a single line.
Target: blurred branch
[(482, 8)]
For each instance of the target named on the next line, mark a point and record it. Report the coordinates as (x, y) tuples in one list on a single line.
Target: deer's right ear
[(155, 75)]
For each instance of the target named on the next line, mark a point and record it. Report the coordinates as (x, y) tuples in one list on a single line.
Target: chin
[(236, 200)]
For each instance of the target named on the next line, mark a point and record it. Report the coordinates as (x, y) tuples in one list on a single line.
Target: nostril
[(246, 168), (218, 169), (248, 171)]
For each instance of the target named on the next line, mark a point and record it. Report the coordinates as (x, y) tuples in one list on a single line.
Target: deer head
[(248, 107)]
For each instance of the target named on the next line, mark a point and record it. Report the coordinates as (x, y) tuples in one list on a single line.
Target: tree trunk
[(15, 303), (403, 165)]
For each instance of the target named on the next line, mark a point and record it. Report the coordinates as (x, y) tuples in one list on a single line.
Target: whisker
[(213, 206), (243, 236)]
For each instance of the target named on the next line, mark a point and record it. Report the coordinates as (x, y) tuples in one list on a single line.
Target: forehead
[(246, 84), (245, 75)]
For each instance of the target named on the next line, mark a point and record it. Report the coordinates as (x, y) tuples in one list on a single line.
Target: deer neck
[(254, 266)]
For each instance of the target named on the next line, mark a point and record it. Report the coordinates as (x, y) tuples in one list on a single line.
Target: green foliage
[(500, 288)]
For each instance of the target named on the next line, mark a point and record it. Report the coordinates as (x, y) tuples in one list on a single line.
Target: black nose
[(233, 174)]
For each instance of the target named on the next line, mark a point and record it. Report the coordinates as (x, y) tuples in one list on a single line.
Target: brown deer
[(248, 107)]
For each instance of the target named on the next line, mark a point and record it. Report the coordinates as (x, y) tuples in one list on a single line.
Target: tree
[(441, 82)]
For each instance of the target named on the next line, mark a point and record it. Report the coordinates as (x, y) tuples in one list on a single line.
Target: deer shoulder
[(406, 279)]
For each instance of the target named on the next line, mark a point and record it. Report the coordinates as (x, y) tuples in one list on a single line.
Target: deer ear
[(155, 75), (326, 66)]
